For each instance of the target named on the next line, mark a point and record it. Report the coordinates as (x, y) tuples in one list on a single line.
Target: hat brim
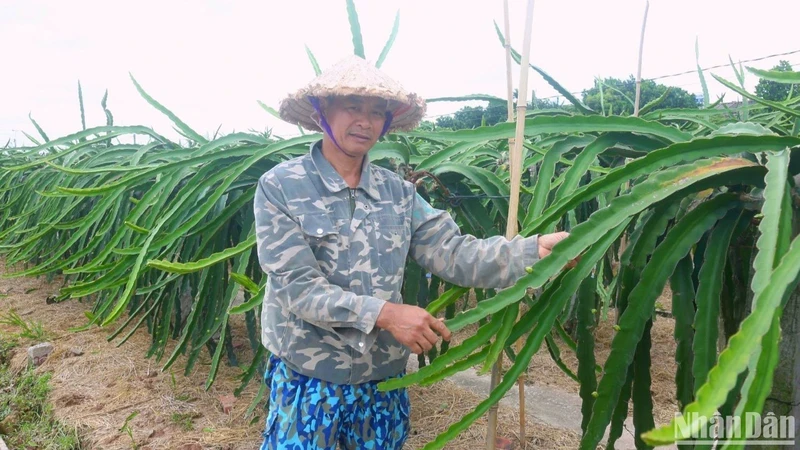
[(354, 76)]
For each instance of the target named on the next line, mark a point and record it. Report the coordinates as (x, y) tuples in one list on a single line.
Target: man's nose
[(362, 119)]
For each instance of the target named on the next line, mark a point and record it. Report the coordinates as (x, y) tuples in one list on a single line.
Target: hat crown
[(353, 75), (356, 74)]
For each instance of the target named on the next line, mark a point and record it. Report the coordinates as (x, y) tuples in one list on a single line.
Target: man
[(333, 235)]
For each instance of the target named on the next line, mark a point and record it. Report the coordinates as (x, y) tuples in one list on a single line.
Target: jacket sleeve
[(296, 280), (464, 260)]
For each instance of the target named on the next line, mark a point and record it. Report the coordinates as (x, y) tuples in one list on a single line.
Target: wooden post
[(639, 70), (515, 167)]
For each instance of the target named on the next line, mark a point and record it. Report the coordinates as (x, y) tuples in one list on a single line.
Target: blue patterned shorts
[(308, 414)]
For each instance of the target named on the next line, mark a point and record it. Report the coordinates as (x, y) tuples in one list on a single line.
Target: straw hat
[(353, 76)]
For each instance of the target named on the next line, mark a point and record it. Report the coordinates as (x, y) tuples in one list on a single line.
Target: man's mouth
[(360, 137)]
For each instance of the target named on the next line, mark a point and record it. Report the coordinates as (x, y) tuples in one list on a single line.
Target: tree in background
[(618, 96), (778, 92), (476, 116)]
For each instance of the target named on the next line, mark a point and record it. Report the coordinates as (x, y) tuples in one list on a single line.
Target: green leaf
[(683, 311), (707, 300), (550, 80), (390, 41), (776, 76), (735, 358), (775, 105), (487, 180), (587, 299), (560, 124), (109, 116), (212, 373), (771, 228), (655, 160), (466, 98), (445, 155), (80, 104), (700, 73), (137, 228), (188, 131), (739, 72), (750, 128), (184, 268), (269, 109), (545, 174), (561, 293), (31, 138), (483, 335), (673, 248), (775, 231), (555, 355), (355, 29), (252, 370), (500, 341), (249, 305), (448, 297), (314, 63), (620, 410), (245, 282), (39, 130), (640, 389), (656, 188), (655, 102)]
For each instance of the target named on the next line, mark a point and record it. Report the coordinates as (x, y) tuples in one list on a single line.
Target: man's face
[(356, 122)]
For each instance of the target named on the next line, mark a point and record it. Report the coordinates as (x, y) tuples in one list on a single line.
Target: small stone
[(75, 351), (227, 402), (39, 353), (502, 443), (156, 434)]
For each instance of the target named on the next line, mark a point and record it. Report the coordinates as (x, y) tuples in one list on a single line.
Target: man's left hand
[(548, 241)]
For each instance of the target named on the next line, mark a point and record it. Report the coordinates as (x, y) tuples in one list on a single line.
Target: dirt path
[(97, 385)]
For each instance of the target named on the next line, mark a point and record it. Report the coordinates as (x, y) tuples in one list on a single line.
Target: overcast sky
[(210, 60)]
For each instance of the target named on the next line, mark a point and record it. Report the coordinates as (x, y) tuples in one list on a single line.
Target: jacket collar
[(334, 182)]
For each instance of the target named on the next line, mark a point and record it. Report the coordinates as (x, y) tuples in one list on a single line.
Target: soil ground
[(96, 391)]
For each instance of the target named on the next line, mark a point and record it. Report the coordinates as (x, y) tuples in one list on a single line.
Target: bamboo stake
[(639, 71), (509, 81), (510, 93), (515, 167)]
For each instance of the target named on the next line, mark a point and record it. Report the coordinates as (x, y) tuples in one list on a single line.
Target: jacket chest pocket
[(324, 239), (390, 243)]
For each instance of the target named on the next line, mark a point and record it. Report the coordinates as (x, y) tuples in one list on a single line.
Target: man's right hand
[(412, 326)]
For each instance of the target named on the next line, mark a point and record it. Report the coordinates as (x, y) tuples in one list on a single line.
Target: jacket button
[(319, 230)]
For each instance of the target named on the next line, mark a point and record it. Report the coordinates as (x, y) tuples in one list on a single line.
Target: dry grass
[(544, 371), (96, 391), (436, 407)]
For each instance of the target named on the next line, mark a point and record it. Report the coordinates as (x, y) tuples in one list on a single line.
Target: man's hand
[(548, 241), (412, 326)]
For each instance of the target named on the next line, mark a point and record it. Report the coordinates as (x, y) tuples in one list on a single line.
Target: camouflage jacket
[(334, 256)]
